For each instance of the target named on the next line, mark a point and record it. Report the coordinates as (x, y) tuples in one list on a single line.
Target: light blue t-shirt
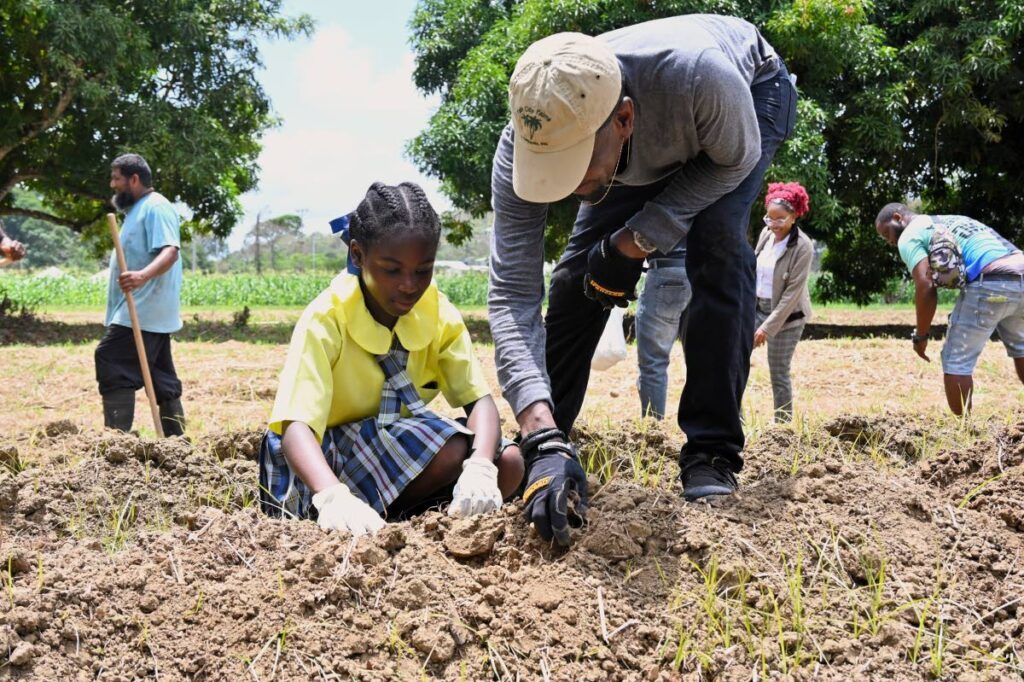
[(979, 244), (150, 225)]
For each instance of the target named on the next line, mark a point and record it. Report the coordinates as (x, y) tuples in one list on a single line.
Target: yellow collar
[(415, 329)]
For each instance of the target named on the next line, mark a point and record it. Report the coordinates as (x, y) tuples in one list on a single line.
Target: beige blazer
[(790, 295)]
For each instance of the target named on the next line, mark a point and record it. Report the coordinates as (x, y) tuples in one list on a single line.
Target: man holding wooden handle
[(150, 238)]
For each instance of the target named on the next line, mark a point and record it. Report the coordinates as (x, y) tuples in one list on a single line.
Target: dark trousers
[(117, 363), (721, 267)]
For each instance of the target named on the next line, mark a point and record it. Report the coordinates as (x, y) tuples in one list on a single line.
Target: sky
[(348, 106)]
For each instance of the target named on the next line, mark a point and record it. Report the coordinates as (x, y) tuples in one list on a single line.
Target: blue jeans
[(660, 320), (984, 306)]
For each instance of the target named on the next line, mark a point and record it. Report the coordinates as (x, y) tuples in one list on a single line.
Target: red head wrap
[(792, 193)]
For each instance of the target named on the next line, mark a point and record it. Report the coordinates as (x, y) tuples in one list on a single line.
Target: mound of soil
[(841, 558)]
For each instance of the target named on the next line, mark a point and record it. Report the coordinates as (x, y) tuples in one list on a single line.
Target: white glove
[(339, 509), (477, 490)]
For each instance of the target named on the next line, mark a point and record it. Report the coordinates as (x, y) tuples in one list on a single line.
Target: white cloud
[(346, 119)]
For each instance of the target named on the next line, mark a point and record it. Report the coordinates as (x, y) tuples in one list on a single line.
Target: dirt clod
[(437, 644), (369, 554), (9, 457), (23, 654), (546, 598), (236, 445), (472, 537), (60, 428), (15, 561)]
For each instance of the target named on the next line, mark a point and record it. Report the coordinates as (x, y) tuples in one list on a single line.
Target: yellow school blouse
[(331, 376)]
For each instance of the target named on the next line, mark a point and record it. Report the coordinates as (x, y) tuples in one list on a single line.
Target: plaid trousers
[(780, 356), (376, 457)]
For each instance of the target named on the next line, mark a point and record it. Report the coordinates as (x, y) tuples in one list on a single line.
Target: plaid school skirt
[(376, 457)]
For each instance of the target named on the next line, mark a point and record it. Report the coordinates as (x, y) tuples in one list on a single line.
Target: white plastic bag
[(612, 346)]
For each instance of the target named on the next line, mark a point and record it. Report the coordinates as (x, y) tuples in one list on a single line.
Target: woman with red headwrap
[(784, 256)]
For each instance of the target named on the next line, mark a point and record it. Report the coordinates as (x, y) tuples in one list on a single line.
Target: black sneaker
[(707, 478)]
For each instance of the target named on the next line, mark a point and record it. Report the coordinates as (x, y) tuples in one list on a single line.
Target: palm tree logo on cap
[(532, 123), (533, 120)]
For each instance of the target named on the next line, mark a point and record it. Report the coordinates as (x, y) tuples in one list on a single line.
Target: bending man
[(663, 130), (992, 299)]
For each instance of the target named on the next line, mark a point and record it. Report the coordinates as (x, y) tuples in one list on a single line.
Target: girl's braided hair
[(389, 210)]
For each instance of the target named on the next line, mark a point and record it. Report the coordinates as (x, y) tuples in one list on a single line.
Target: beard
[(122, 201), (593, 197)]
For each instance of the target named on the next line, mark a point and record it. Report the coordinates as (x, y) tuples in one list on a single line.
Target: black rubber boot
[(119, 409), (172, 418)]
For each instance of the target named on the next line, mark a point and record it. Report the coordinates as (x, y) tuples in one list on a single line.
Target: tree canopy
[(266, 234), (173, 80), (900, 99)]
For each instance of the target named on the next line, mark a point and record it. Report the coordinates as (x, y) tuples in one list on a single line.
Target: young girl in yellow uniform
[(350, 439)]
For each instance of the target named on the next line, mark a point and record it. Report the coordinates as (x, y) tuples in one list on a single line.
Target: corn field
[(237, 290)]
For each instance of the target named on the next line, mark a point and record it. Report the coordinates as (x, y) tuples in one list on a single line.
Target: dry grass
[(231, 384)]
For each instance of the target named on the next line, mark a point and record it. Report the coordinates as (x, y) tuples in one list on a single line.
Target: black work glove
[(611, 277), (556, 486)]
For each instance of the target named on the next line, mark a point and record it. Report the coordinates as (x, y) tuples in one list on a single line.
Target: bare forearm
[(167, 257), (925, 302), (486, 426), (306, 459)]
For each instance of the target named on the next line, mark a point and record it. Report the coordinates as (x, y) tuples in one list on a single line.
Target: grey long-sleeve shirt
[(690, 79)]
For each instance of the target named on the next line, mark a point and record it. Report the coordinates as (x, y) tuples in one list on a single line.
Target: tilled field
[(867, 548)]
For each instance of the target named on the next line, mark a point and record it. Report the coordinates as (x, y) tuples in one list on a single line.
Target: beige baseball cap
[(562, 90)]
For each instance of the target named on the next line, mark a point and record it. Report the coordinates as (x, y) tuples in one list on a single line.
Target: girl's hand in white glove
[(477, 490), (339, 509)]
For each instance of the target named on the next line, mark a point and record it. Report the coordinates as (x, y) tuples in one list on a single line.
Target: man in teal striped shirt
[(992, 299)]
